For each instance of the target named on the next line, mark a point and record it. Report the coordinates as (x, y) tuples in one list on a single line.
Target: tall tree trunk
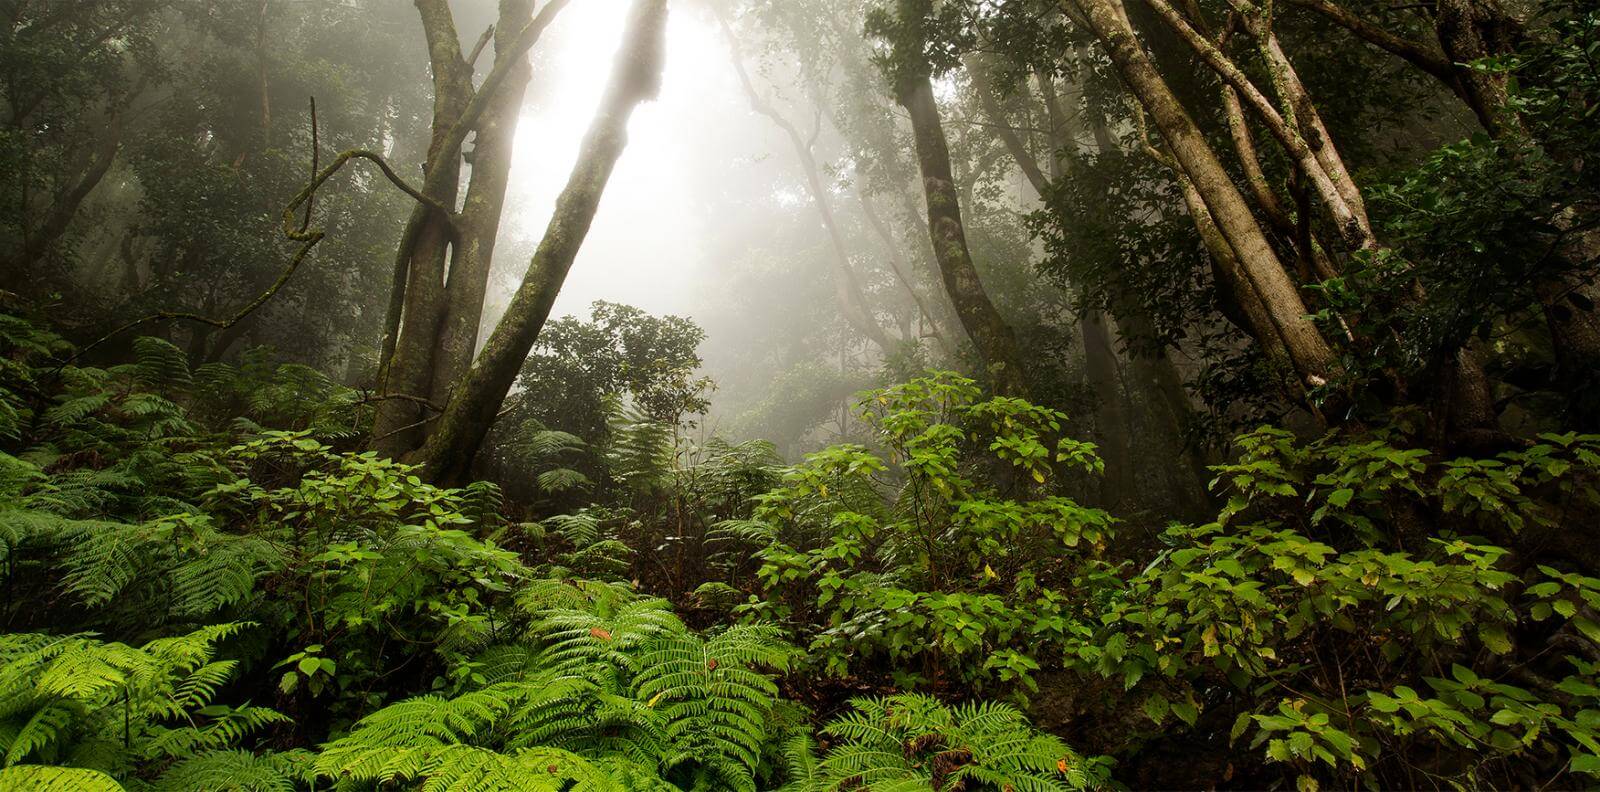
[(448, 453), (1272, 288), (423, 307), (994, 339), (261, 74), (1111, 422), (397, 424), (479, 222)]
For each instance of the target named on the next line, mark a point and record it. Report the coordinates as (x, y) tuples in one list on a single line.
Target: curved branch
[(309, 238)]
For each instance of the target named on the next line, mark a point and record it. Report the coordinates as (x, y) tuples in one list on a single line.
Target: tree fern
[(157, 364), (640, 452), (558, 480), (237, 771)]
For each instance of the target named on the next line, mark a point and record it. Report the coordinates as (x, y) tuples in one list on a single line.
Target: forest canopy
[(948, 395)]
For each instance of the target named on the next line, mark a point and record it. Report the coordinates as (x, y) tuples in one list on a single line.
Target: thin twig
[(477, 49)]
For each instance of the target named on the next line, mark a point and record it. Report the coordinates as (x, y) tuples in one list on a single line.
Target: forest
[(802, 395)]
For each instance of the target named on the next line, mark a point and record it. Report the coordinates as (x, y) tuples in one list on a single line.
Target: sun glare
[(641, 247)]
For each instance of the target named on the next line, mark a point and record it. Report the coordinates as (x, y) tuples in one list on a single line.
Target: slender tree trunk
[(479, 222), (261, 73), (990, 102), (994, 339), (902, 271), (1100, 366), (1274, 290), (448, 453)]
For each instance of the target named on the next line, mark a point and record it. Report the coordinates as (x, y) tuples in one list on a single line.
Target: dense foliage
[(1082, 394), (228, 605)]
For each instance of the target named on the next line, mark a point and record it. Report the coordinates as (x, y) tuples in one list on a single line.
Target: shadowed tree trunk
[(49, 230), (434, 312), (479, 222), (448, 453), (995, 342)]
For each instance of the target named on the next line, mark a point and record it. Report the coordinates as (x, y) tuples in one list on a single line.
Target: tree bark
[(447, 455), (397, 423), (1272, 288), (479, 222), (420, 306), (994, 339)]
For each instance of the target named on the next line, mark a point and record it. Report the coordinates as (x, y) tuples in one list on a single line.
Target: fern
[(158, 364), (612, 679), (36, 778), (579, 530), (641, 451), (715, 703), (605, 639), (75, 694), (558, 480), (237, 771), (916, 742)]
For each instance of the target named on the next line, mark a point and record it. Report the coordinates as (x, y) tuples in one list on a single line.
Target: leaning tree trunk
[(1263, 271), (996, 344), (448, 453), (53, 226)]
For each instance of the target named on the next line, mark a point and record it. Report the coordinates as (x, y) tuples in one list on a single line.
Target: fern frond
[(558, 480), (236, 771), (159, 364), (36, 778)]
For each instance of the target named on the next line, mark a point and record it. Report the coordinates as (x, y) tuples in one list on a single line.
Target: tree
[(474, 402), (442, 262), (911, 76)]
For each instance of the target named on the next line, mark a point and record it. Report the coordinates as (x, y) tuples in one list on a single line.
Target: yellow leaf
[(653, 699), (1038, 476), (988, 572)]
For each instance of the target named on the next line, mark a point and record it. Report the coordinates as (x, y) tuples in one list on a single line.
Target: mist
[(799, 394)]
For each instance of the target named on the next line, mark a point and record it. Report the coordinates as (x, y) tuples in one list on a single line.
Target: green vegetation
[(221, 605), (1048, 395)]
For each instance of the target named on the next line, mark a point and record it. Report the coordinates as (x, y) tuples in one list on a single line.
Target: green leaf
[(1494, 637), (1588, 627), (1239, 725), (1156, 707)]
